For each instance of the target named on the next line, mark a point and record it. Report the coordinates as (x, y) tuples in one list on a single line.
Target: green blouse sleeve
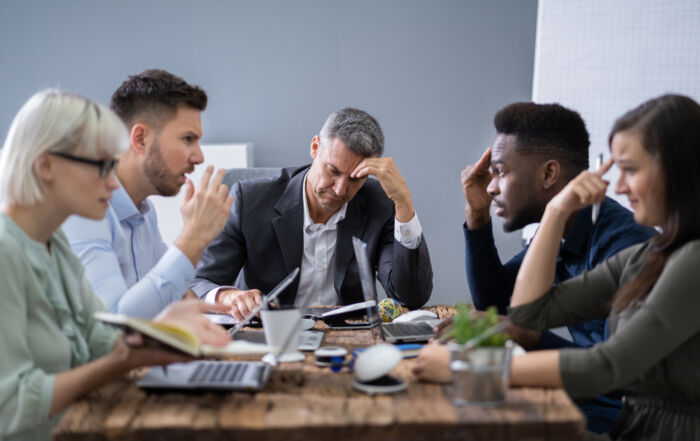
[(581, 299), (26, 391), (660, 325), (100, 337)]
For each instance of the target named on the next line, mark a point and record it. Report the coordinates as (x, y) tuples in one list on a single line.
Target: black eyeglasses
[(105, 165)]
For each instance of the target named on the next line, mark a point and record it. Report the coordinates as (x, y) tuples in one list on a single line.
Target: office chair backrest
[(234, 175)]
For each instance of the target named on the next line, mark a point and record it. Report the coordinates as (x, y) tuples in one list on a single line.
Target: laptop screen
[(369, 289)]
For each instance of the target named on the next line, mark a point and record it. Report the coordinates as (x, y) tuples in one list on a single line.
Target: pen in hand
[(596, 207)]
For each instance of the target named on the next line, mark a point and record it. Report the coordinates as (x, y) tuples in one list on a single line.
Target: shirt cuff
[(409, 233), (210, 297), (175, 267), (485, 230), (46, 398)]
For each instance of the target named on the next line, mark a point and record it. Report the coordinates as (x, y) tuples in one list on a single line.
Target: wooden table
[(304, 402)]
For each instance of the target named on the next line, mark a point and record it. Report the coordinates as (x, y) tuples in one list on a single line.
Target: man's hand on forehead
[(392, 182)]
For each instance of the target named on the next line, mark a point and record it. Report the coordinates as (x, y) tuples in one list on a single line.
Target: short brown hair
[(154, 95)]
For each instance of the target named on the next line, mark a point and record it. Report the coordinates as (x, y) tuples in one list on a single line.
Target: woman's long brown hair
[(669, 129)]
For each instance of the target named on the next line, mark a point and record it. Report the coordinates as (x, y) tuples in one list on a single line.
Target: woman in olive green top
[(57, 161), (650, 291)]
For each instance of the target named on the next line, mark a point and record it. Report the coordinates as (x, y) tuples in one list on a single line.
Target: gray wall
[(433, 72)]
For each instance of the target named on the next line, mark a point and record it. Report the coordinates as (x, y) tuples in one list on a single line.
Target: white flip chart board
[(604, 57)]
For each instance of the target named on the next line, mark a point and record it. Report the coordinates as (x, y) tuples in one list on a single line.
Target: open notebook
[(216, 375)]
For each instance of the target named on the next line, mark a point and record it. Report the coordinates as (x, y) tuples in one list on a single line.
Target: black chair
[(234, 175)]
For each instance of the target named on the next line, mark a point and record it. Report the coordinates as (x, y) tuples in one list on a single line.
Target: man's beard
[(155, 169), (530, 214)]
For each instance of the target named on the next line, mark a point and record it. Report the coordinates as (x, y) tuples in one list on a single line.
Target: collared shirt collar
[(309, 225), (125, 209)]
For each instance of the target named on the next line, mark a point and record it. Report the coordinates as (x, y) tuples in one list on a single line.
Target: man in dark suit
[(307, 217)]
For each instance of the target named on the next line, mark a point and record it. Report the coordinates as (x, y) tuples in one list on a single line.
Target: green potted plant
[(466, 326), (480, 357)]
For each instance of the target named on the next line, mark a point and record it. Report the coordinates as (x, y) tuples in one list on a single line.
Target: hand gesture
[(204, 213), (433, 364), (239, 303), (392, 183), (188, 314), (585, 189), (130, 352), (475, 181)]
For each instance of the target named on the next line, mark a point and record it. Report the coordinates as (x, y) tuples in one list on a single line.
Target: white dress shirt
[(318, 259), (316, 285)]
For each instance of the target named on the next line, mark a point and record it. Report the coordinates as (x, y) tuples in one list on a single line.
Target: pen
[(596, 206)]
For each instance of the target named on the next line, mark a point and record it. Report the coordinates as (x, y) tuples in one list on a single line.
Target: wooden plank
[(85, 417), (304, 402)]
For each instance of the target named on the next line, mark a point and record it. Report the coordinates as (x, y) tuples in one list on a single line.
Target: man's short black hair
[(548, 130), (154, 95)]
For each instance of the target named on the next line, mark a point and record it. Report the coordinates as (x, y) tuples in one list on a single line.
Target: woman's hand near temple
[(585, 189)]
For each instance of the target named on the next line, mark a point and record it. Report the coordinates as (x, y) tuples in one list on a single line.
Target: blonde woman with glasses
[(58, 160)]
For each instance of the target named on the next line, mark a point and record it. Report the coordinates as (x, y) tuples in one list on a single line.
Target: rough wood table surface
[(304, 402)]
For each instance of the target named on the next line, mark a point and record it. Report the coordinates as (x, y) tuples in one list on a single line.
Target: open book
[(175, 337)]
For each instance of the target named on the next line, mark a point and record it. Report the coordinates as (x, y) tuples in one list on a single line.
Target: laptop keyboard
[(223, 372), (407, 329)]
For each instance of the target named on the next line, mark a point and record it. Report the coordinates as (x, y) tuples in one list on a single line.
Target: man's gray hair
[(358, 130)]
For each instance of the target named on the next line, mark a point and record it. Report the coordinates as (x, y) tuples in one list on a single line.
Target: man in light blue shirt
[(126, 261)]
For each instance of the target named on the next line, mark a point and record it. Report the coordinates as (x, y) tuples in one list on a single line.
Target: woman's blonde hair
[(54, 121)]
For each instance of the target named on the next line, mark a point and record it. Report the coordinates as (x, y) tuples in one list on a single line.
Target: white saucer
[(371, 389), (286, 358)]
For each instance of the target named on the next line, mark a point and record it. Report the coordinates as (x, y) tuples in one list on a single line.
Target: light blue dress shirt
[(126, 261)]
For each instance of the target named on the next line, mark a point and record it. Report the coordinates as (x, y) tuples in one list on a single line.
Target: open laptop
[(308, 340), (252, 319), (208, 375), (389, 332), (214, 374)]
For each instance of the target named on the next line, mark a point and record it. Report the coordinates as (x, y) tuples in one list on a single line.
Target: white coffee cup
[(282, 328)]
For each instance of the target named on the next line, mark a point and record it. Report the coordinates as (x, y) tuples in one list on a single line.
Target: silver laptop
[(208, 375), (389, 332), (214, 374), (308, 340)]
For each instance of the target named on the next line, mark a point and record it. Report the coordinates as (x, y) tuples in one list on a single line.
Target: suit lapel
[(352, 225), (290, 222)]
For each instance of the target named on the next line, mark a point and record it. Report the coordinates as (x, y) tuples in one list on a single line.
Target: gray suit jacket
[(264, 237)]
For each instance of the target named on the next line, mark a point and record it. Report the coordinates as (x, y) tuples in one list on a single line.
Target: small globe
[(389, 309)]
